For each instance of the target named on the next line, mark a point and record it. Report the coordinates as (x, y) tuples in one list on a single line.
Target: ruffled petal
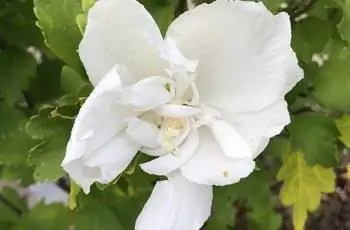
[(149, 93), (99, 121), (210, 166), (176, 204), (172, 110), (230, 141), (114, 157), (245, 59), (143, 132), (258, 127), (104, 164), (121, 32), (172, 161)]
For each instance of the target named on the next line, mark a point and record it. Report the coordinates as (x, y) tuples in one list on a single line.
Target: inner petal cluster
[(171, 129), (169, 122)]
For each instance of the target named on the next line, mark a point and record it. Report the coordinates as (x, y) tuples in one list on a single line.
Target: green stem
[(10, 205)]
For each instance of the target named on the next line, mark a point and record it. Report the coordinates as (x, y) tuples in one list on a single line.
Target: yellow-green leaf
[(343, 125), (303, 186), (87, 4), (74, 191)]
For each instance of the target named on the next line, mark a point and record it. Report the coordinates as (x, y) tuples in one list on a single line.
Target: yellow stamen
[(225, 173), (172, 128)]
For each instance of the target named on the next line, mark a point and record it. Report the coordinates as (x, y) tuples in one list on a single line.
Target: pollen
[(171, 129), (225, 173)]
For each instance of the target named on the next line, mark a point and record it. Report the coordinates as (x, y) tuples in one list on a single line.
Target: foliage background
[(43, 84)]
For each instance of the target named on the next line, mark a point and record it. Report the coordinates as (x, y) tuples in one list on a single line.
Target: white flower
[(205, 101), (48, 193)]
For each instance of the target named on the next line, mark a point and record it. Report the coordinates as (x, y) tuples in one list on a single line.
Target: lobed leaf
[(303, 186)]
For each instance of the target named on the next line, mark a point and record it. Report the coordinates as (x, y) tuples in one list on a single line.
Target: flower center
[(172, 128)]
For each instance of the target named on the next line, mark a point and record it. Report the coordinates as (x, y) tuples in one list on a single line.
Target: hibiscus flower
[(204, 101)]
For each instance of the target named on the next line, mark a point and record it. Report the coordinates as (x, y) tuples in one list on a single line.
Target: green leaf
[(47, 124), (128, 208), (134, 181), (11, 212), (47, 157), (278, 147), (53, 132), (303, 186), (343, 125), (324, 9), (260, 204), (71, 81), (81, 22), (13, 153), (10, 119), (315, 136), (57, 20), (264, 217), (222, 215), (273, 5), (344, 25), (87, 4), (16, 67), (81, 19), (14, 197), (17, 25), (332, 84), (163, 11), (44, 217), (310, 36), (12, 132), (22, 173), (96, 216), (6, 225), (45, 86)]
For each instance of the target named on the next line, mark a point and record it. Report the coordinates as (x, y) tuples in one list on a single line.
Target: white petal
[(149, 93), (121, 32), (154, 152), (99, 120), (81, 174), (172, 161), (143, 132), (245, 60), (231, 142), (182, 69), (172, 110), (114, 157), (180, 64), (176, 204), (100, 117), (104, 164), (177, 141), (47, 192), (258, 127), (210, 166)]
